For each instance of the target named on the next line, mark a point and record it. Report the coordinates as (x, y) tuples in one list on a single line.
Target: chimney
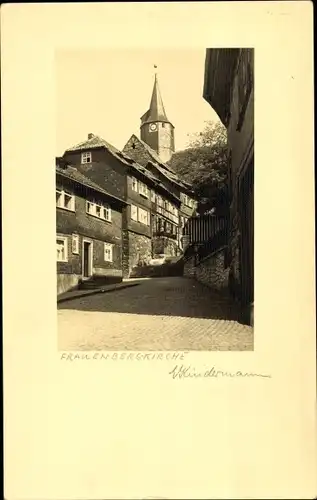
[(90, 136)]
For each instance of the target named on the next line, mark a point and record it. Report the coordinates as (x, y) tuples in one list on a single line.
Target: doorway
[(87, 259)]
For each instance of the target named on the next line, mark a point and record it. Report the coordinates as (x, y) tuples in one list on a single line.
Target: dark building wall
[(91, 228), (136, 197), (105, 170), (230, 90), (88, 225), (135, 226), (240, 143)]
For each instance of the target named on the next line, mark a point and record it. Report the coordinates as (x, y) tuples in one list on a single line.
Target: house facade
[(150, 219), (229, 89), (88, 230)]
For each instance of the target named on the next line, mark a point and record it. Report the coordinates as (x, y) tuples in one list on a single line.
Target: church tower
[(156, 130)]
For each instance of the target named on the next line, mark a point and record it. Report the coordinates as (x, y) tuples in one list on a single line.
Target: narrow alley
[(173, 313)]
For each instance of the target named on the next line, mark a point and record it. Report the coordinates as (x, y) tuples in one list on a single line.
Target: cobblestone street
[(159, 314)]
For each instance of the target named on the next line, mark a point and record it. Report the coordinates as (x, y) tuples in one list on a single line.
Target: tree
[(204, 164)]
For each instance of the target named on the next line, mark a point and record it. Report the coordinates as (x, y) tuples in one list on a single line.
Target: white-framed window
[(153, 197), (159, 201), (108, 252), (62, 248), (144, 216), (134, 184), (65, 199), (134, 212), (107, 213), (86, 157), (143, 189), (98, 210), (75, 243)]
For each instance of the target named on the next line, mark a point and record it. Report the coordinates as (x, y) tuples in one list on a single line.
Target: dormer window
[(86, 157)]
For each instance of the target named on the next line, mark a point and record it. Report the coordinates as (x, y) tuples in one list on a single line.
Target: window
[(65, 200), (134, 212), (86, 157), (143, 190), (61, 245), (144, 216), (159, 200), (188, 201), (75, 243), (58, 198), (90, 208), (108, 252), (163, 125), (153, 196), (98, 210), (107, 213), (134, 184)]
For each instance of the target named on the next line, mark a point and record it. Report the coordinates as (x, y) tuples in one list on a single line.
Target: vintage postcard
[(155, 234), (159, 295)]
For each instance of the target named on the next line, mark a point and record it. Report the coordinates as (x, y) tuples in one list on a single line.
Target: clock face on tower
[(153, 127)]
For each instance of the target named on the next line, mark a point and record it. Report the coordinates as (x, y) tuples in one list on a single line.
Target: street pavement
[(173, 313)]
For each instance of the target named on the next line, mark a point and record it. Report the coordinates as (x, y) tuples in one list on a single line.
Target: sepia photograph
[(155, 199)]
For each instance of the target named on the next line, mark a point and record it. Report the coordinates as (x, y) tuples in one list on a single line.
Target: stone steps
[(99, 281)]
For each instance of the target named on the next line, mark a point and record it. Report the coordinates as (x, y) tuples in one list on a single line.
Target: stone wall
[(164, 245), (67, 282), (211, 271), (189, 268), (137, 249)]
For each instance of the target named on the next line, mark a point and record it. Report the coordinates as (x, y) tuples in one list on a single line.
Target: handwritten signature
[(182, 371)]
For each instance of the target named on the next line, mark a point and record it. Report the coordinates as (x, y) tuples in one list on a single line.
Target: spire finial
[(155, 67)]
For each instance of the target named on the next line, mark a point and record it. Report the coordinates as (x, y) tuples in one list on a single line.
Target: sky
[(105, 92)]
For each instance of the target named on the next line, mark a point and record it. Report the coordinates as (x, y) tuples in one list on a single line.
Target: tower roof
[(156, 112)]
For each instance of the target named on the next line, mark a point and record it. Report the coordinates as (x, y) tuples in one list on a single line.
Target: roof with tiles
[(163, 167), (73, 174), (94, 142)]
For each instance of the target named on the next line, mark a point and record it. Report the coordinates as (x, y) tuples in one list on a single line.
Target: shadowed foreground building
[(229, 89)]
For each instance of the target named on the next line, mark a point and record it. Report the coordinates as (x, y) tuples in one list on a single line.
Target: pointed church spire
[(156, 112)]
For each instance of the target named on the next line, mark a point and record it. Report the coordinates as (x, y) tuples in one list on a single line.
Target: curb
[(95, 292)]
